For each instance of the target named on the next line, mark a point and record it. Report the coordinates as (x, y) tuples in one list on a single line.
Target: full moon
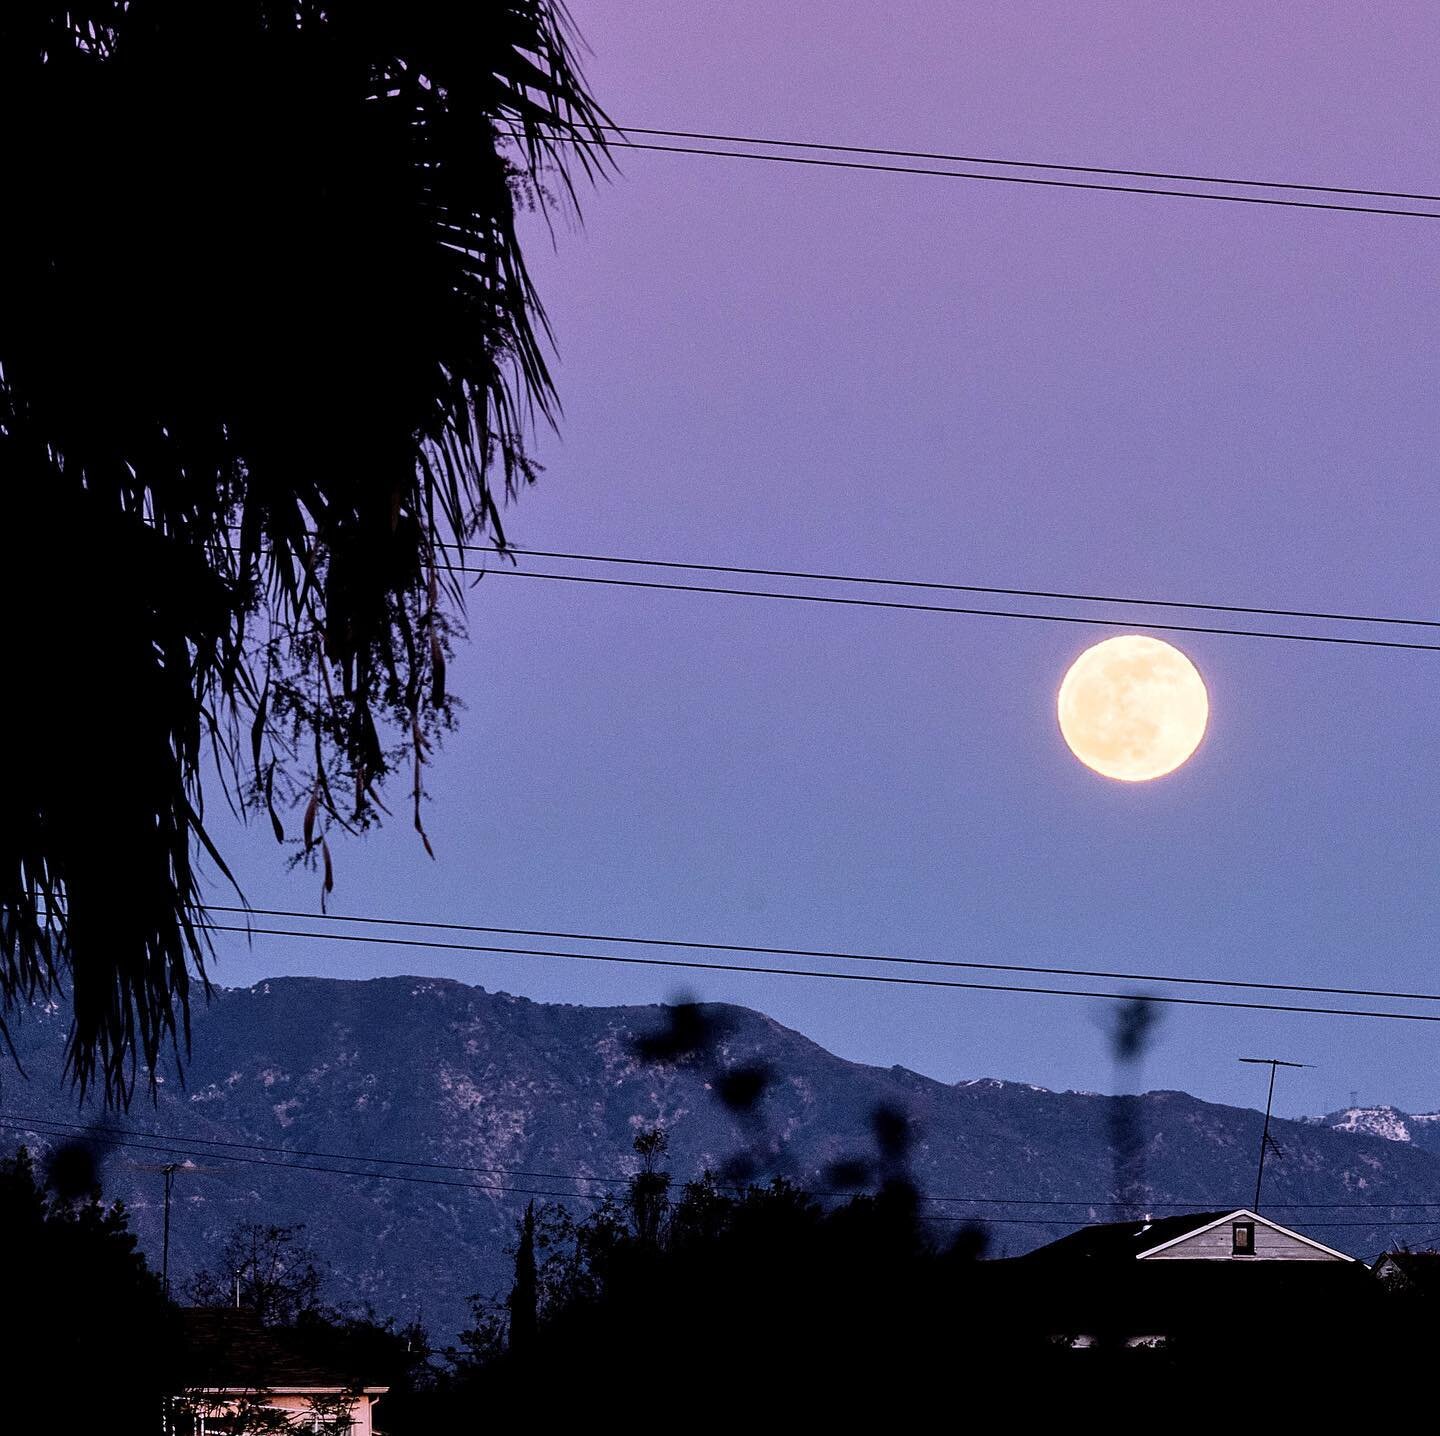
[(1133, 708)]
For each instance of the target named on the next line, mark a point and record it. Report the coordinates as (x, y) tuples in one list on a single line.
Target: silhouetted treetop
[(268, 351), (78, 1298)]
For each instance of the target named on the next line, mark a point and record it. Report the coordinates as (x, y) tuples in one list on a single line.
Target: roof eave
[(1241, 1213), (285, 1391)]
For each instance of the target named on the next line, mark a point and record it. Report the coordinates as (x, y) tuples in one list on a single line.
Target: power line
[(1015, 164), (865, 977), (876, 166), (175, 1146), (505, 950), (965, 611), (949, 587), (831, 954), (107, 1132), (1067, 1224), (1048, 1222), (1127, 624), (177, 1149), (124, 1137), (933, 585)]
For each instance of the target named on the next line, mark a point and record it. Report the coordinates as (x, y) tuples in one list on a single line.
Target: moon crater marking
[(1133, 708)]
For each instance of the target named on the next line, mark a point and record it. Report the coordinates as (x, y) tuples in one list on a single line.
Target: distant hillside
[(1420, 1128), (528, 1096)]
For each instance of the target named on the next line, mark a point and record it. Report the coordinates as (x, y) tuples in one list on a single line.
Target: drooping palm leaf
[(268, 349)]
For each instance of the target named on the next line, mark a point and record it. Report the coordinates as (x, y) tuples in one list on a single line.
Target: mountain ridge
[(507, 1098)]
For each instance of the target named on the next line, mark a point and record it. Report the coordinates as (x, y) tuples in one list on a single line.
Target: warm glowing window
[(1242, 1239)]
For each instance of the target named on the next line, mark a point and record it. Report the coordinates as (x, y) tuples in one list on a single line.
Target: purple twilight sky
[(981, 383)]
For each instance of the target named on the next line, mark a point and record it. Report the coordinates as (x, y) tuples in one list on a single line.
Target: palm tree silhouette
[(268, 351)]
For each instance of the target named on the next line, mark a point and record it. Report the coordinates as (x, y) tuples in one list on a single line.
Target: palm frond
[(268, 350)]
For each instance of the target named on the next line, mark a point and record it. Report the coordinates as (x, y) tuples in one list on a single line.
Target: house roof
[(227, 1349), (1112, 1242), (1421, 1270), (1117, 1241), (1245, 1214)]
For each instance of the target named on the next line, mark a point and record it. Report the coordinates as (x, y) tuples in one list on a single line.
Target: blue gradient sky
[(978, 383)]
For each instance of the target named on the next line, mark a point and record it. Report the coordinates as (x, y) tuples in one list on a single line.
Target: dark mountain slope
[(529, 1096)]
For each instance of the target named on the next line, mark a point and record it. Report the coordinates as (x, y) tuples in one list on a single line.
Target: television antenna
[(1267, 1142), (168, 1170)]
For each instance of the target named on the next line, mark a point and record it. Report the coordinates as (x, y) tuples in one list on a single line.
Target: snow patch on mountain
[(998, 1083), (1387, 1122), (1384, 1122)]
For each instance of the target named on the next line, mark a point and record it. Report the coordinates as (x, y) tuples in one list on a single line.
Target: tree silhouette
[(524, 1295), (279, 1277), (268, 352), (80, 1298), (752, 1292), (649, 1193)]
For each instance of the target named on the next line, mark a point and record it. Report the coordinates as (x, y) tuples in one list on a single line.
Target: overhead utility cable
[(1015, 164), (935, 585), (1127, 624), (756, 969), (931, 585), (829, 954), (974, 612), (877, 166), (101, 1135)]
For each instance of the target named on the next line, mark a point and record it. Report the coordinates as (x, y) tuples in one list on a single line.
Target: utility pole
[(169, 1170), (1272, 1063)]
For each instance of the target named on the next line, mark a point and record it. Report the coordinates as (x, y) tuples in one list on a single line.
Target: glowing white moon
[(1133, 708)]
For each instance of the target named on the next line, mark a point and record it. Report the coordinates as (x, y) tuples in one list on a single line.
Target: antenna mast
[(1272, 1063)]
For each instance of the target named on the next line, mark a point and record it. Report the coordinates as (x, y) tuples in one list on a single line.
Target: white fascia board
[(1244, 1214)]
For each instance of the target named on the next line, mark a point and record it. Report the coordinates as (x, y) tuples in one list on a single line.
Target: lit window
[(1242, 1236)]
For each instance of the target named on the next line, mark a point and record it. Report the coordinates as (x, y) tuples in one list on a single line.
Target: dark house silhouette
[(1409, 1273), (232, 1362), (1186, 1283)]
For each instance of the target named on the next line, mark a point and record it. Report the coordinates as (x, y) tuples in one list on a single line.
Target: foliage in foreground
[(734, 1302), (87, 1321), (268, 354)]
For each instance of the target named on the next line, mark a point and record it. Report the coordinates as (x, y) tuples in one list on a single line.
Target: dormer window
[(1242, 1239)]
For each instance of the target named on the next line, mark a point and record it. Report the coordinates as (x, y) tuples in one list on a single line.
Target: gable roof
[(1120, 1241), (1113, 1242), (227, 1349), (1243, 1214)]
